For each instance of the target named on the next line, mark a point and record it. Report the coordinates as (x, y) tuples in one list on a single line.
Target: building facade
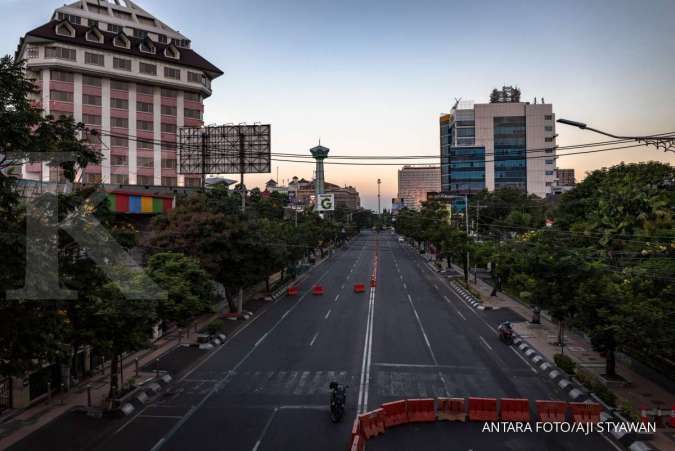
[(414, 182), (130, 78), (302, 193), (496, 145), (565, 177)]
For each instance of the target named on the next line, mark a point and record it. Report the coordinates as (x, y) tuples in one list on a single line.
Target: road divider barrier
[(373, 282), (359, 288), (514, 409), (358, 444), (293, 291), (318, 290), (672, 417), (551, 411), (451, 409), (421, 410), (583, 412), (395, 413), (372, 423), (483, 409)]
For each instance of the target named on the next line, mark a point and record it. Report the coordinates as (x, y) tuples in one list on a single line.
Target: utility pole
[(204, 148), (379, 211), (466, 213), (242, 168)]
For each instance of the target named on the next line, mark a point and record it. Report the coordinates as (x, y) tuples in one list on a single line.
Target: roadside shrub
[(565, 363), (590, 381), (628, 411), (215, 326)]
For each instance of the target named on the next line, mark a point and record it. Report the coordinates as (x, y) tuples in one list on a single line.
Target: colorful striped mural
[(136, 203)]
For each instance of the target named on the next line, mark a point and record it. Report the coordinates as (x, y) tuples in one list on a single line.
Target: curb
[(578, 393), (468, 297), (149, 390)]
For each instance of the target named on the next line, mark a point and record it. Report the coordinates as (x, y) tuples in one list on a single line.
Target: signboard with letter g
[(325, 202)]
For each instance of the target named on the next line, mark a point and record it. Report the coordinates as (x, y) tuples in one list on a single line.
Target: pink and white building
[(121, 71)]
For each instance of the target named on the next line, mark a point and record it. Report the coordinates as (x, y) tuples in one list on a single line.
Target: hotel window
[(145, 162), (114, 28), (92, 81), (145, 126), (549, 161), (193, 96), (549, 172), (148, 69), (119, 85), (193, 182), (549, 150), (194, 77), (144, 107), (33, 52), (168, 163), (119, 141), (171, 52), (169, 110), (70, 18), (169, 181), (170, 93), (169, 128), (91, 119), (94, 36), (119, 179), (119, 122), (122, 42), (121, 14), (147, 47), (118, 160), (61, 96), (65, 29), (62, 76), (548, 128), (170, 72), (548, 117), (122, 64), (60, 53), (120, 104), (143, 144), (549, 139), (145, 180), (145, 89), (193, 114), (162, 38), (88, 99), (140, 34)]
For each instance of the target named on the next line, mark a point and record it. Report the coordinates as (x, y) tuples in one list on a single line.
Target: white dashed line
[(327, 315), (460, 315), (314, 339), (486, 343)]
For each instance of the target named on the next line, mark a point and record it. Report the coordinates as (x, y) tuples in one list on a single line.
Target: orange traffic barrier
[(482, 409), (514, 409), (358, 444), (451, 409), (552, 411), (373, 282), (395, 413), (293, 291), (583, 412), (318, 290), (357, 431), (672, 417), (359, 288), (421, 410), (372, 423)]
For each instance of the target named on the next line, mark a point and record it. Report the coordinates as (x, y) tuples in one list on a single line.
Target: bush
[(215, 326), (565, 363), (591, 382), (629, 412)]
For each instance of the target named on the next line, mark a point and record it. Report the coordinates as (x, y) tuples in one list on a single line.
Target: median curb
[(147, 390)]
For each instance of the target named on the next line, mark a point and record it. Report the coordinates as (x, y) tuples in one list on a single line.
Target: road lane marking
[(314, 339), (524, 360), (367, 356), (265, 428), (485, 342), (460, 315), (260, 340), (336, 298), (424, 334), (405, 286), (327, 315)]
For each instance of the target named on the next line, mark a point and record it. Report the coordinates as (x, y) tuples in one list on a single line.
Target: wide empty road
[(410, 337)]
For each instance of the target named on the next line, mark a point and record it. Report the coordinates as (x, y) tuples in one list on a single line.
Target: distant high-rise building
[(414, 182), (565, 177), (124, 73), (495, 145)]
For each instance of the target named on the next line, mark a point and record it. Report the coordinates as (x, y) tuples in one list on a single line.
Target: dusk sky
[(372, 77)]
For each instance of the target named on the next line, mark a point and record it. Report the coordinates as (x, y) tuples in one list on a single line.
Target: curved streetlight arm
[(659, 141)]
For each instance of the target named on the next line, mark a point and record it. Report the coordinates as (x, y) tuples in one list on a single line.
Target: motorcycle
[(505, 333), (338, 399)]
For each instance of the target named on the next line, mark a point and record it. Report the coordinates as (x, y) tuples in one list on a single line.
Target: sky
[(372, 77)]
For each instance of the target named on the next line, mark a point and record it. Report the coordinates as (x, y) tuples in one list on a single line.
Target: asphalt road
[(410, 337)]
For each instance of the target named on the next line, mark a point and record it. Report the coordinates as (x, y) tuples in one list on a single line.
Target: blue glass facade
[(446, 142), (510, 157), (466, 170)]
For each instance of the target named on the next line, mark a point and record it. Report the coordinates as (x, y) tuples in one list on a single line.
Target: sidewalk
[(638, 391)]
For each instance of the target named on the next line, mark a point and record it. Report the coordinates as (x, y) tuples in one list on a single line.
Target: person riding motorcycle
[(506, 332), (338, 399)]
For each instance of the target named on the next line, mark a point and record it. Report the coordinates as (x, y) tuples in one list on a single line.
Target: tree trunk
[(561, 334), (230, 295), (267, 284), (610, 362), (114, 389)]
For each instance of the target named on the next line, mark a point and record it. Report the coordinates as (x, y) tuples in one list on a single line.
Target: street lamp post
[(664, 141)]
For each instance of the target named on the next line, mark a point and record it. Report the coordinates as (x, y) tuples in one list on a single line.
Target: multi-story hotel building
[(495, 145), (127, 75), (415, 182)]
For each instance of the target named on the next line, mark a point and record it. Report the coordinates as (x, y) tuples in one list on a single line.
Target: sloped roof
[(188, 57)]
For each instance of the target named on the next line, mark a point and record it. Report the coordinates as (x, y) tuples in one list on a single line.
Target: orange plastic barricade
[(293, 291), (552, 411), (421, 410), (318, 290), (357, 431), (359, 288), (373, 282), (395, 413), (672, 417), (514, 409), (451, 409), (483, 409), (372, 423), (583, 412), (358, 444)]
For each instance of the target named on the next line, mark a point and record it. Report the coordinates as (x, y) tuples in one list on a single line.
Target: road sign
[(325, 202)]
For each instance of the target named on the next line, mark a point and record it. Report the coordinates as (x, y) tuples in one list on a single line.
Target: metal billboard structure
[(224, 149)]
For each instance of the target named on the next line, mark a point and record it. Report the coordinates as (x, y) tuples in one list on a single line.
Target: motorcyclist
[(338, 399), (505, 331)]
